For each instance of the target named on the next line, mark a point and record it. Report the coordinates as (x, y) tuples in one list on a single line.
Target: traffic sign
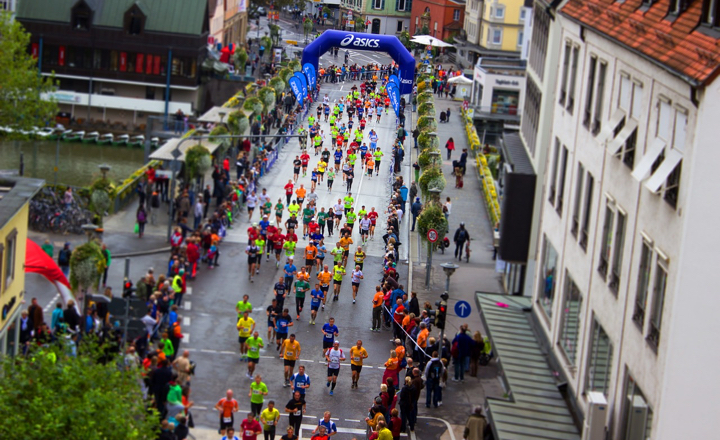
[(462, 309), (432, 235)]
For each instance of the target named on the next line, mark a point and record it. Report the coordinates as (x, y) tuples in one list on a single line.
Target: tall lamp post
[(449, 269)]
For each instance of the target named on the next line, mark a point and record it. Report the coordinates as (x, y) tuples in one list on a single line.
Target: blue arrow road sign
[(462, 309)]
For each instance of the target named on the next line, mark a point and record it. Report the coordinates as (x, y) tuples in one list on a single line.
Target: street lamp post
[(449, 269), (428, 267)]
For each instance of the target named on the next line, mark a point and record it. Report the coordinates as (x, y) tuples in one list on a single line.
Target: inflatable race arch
[(368, 42)]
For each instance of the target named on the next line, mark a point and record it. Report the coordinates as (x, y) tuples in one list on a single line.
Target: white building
[(627, 242)]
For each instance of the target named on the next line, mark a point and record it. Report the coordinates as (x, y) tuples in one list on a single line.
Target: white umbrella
[(427, 40), (460, 79)]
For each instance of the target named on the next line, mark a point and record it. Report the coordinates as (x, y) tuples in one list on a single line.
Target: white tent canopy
[(460, 79), (427, 40), (165, 151)]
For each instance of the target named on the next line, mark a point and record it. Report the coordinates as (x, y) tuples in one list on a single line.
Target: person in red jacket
[(193, 255)]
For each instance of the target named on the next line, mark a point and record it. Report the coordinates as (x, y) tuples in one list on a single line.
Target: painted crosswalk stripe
[(186, 321), (187, 305)]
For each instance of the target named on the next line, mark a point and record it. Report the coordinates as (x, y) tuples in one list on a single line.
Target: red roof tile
[(678, 44)]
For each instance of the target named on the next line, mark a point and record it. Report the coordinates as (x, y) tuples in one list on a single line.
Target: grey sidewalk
[(476, 275)]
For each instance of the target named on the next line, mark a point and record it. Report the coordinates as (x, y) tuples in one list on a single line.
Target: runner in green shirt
[(337, 253), (362, 212), (270, 418), (289, 247), (311, 120), (348, 201), (351, 217), (279, 207), (294, 208), (308, 214), (258, 389), (352, 158), (321, 219), (301, 286), (332, 120), (254, 344), (243, 305), (338, 273), (267, 208)]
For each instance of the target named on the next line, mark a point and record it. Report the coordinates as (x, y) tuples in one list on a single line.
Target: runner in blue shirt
[(330, 428), (282, 325), (316, 297), (300, 381), (290, 270), (363, 152), (330, 332)]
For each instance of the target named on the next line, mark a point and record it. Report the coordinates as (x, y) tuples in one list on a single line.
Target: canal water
[(77, 162)]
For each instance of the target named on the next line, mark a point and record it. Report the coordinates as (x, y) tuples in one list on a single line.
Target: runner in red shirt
[(289, 191), (304, 159), (250, 428), (253, 233), (271, 231), (372, 215), (277, 240), (339, 139)]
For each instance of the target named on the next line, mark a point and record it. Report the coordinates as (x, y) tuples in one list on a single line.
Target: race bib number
[(249, 433), (298, 412), (227, 419), (356, 359), (256, 391), (289, 353), (283, 324), (270, 422)]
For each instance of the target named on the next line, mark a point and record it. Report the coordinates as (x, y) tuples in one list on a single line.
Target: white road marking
[(188, 290), (352, 420), (187, 305), (186, 338), (186, 321), (51, 303)]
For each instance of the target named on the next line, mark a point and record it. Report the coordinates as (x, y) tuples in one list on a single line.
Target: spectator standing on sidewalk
[(461, 353), (449, 146), (476, 427)]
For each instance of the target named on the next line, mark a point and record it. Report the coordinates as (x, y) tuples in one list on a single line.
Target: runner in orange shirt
[(310, 253), (226, 407), (324, 277)]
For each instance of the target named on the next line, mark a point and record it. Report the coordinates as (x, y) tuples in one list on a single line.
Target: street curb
[(140, 253)]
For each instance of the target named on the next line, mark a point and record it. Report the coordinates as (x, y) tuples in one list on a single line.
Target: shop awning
[(642, 169), (672, 159), (535, 409), (165, 150), (617, 143)]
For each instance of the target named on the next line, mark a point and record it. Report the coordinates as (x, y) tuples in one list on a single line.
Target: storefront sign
[(506, 82)]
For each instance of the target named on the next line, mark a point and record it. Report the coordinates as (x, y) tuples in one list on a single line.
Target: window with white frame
[(618, 251), (643, 284), (658, 300), (561, 181), (665, 121), (590, 91), (606, 240), (523, 14), (585, 229), (637, 413), (6, 5), (625, 92), (401, 5), (378, 4), (570, 319), (599, 370), (599, 96), (9, 257), (499, 11), (554, 171), (578, 200), (546, 296), (637, 98), (565, 73), (521, 35), (573, 77), (496, 36), (456, 14)]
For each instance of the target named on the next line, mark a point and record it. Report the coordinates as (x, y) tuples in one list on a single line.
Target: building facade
[(15, 195), (351, 10), (388, 17), (626, 242), (216, 10), (441, 19), (502, 25), (235, 23), (118, 61)]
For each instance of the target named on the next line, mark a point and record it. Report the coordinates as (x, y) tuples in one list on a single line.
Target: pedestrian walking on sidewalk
[(461, 236), (449, 146), (415, 210), (433, 374)]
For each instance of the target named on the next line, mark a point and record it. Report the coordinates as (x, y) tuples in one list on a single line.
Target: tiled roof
[(678, 45)]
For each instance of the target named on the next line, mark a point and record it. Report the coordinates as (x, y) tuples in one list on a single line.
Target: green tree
[(87, 263), (21, 106), (51, 394), (404, 38), (307, 26)]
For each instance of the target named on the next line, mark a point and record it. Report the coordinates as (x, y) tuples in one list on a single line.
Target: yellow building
[(15, 195), (503, 22)]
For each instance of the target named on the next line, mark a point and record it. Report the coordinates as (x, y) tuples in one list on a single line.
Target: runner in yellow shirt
[(289, 352), (245, 326), (357, 354)]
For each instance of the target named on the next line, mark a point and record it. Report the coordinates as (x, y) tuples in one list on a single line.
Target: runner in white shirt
[(373, 140), (365, 223), (334, 356), (357, 275), (326, 100), (339, 210), (251, 203)]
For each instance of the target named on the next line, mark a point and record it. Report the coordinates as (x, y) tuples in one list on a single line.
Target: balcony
[(498, 112)]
